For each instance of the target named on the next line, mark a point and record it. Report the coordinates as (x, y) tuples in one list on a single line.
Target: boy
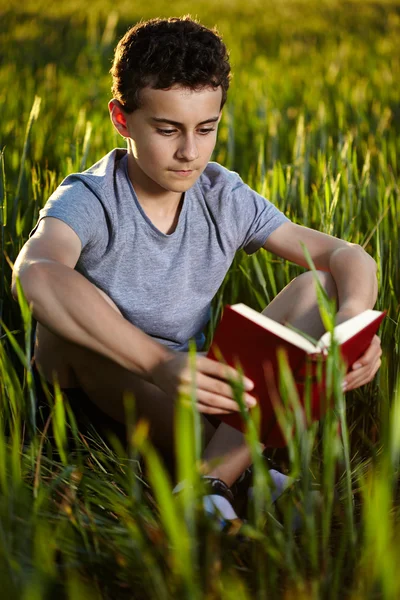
[(126, 257)]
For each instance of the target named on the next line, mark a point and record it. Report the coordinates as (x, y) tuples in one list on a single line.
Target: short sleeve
[(79, 207), (256, 217)]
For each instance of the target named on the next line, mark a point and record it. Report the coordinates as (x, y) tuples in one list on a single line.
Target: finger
[(216, 369), (210, 384), (213, 397), (354, 377), (216, 386), (361, 377), (210, 410), (376, 368), (373, 351), (205, 382), (357, 382), (217, 402)]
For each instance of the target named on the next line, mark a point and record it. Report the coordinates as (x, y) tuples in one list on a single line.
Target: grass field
[(313, 123)]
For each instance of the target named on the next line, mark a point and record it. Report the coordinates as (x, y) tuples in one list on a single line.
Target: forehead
[(181, 104)]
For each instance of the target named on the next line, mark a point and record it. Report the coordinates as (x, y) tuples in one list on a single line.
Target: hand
[(364, 369), (213, 391)]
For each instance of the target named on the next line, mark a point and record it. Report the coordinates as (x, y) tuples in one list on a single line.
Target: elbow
[(14, 291), (29, 279), (17, 275)]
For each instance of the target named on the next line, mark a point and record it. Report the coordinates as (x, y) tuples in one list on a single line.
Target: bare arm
[(353, 270), (69, 305)]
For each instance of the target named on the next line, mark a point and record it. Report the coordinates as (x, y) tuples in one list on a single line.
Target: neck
[(148, 192)]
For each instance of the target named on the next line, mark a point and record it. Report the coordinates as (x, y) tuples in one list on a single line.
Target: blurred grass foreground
[(312, 123)]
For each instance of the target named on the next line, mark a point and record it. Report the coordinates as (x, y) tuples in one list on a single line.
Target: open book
[(247, 338)]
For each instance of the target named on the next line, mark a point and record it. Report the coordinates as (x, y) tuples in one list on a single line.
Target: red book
[(247, 338)]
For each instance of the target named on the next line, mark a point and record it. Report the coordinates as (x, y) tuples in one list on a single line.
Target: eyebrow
[(162, 120)]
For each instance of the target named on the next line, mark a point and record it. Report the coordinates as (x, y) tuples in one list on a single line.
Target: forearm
[(354, 272), (70, 306)]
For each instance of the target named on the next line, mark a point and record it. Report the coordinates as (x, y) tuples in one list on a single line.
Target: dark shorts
[(85, 411)]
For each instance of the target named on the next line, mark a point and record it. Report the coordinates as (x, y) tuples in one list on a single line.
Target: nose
[(188, 148)]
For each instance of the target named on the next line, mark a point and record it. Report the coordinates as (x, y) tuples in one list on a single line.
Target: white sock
[(280, 483), (218, 504), (213, 503), (179, 486)]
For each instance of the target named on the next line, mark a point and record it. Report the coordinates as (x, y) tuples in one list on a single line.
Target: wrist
[(349, 310), (159, 358)]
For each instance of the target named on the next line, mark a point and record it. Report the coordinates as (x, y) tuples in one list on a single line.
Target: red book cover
[(242, 341)]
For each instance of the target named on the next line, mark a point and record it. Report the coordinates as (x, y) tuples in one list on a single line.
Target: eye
[(205, 131), (166, 132)]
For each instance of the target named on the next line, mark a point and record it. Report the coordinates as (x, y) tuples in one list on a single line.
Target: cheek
[(209, 144), (151, 151)]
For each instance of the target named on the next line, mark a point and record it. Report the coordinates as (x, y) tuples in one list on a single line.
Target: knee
[(306, 283)]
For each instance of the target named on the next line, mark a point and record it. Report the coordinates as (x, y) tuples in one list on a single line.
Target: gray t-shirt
[(161, 283)]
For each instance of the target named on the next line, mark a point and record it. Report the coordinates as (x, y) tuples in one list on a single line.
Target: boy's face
[(171, 136)]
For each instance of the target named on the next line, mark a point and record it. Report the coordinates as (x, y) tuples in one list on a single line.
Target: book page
[(274, 327), (348, 329)]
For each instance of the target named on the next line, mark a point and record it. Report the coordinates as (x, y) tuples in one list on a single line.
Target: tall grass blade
[(33, 116)]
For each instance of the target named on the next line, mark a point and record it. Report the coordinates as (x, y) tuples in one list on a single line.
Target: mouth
[(183, 172)]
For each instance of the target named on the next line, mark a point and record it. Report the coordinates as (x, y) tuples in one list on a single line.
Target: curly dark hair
[(160, 53)]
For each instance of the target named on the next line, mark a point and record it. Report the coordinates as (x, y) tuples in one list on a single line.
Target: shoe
[(243, 489), (218, 503), (283, 495)]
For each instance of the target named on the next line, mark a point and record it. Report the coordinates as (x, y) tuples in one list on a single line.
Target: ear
[(118, 117)]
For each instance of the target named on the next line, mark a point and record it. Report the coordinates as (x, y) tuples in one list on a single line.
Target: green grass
[(312, 123)]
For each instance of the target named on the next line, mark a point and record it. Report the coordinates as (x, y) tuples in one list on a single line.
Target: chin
[(181, 188)]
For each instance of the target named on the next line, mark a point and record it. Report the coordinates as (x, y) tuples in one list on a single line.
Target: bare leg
[(295, 304), (106, 382)]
